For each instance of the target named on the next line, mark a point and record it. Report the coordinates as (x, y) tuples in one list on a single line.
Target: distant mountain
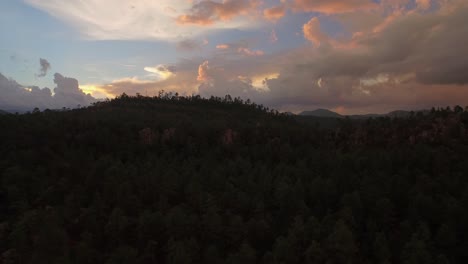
[(398, 113), (3, 112), (321, 113), (331, 114), (366, 116)]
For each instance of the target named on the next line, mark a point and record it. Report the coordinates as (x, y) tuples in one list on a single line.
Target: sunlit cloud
[(203, 72), (344, 55), (333, 6), (161, 72), (240, 48), (67, 93), (250, 52), (379, 79), (222, 46), (275, 13), (96, 91), (320, 82), (260, 81), (423, 4), (207, 12), (314, 33), (144, 20)]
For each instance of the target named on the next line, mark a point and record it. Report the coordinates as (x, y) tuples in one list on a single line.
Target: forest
[(174, 179)]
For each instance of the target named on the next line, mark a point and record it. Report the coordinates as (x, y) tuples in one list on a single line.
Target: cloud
[(249, 52), (161, 71), (215, 81), (423, 4), (182, 79), (16, 97), (208, 12), (273, 36), (145, 20), (275, 13), (415, 61), (223, 46), (190, 45), (333, 6), (68, 93), (313, 33), (203, 72), (239, 48), (162, 68), (44, 67)]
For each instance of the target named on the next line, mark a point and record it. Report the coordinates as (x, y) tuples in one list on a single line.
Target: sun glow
[(95, 91), (259, 81)]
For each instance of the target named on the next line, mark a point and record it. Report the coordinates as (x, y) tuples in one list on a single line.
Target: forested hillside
[(176, 179)]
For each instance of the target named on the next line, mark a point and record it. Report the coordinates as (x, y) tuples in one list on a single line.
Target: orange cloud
[(333, 6), (423, 4), (223, 46), (240, 48), (249, 52), (275, 13), (208, 12), (313, 33), (203, 70)]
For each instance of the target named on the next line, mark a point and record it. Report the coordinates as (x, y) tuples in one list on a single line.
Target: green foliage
[(174, 179)]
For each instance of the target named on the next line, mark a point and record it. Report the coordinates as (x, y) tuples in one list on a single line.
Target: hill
[(3, 112), (190, 180), (321, 113), (330, 114)]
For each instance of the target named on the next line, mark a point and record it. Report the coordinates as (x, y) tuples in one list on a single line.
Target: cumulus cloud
[(416, 61), (44, 67), (239, 48), (313, 33), (413, 62), (68, 93), (423, 4), (208, 12), (223, 46), (203, 72), (161, 71), (275, 13), (333, 6), (183, 80), (215, 81), (249, 52), (16, 97)]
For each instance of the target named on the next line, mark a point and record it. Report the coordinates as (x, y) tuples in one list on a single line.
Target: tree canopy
[(172, 179)]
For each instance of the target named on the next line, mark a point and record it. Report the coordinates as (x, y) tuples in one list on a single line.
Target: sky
[(349, 56)]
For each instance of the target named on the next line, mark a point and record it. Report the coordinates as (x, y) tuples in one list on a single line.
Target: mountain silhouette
[(321, 113)]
